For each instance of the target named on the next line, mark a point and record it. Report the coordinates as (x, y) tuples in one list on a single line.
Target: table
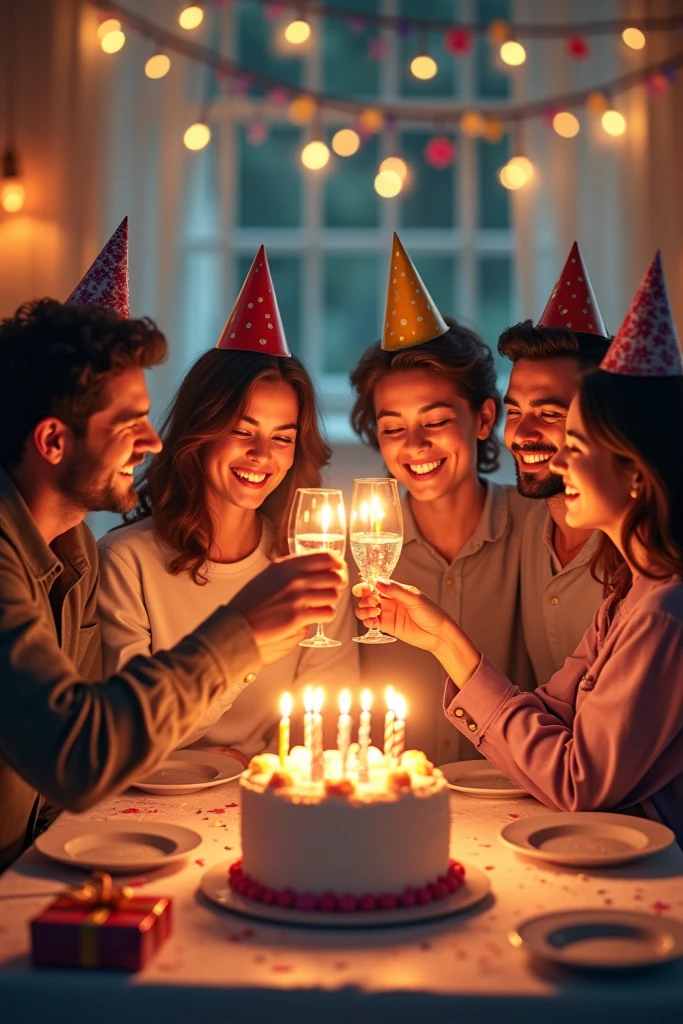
[(218, 966)]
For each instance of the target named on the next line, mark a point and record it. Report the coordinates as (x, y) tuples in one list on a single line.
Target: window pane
[(348, 69), (202, 216), (429, 195), (447, 80), (490, 81), (203, 318), (351, 316), (350, 200), (438, 274), (257, 45), (494, 201), (271, 179), (286, 274), (495, 302)]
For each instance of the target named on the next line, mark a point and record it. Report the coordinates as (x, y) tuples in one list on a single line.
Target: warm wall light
[(633, 38), (315, 155), (512, 53), (108, 25), (191, 17), (197, 136), (423, 66), (395, 164), (566, 124), (388, 184), (345, 142), (512, 176), (297, 32), (158, 66), (12, 193), (112, 42), (613, 122), (524, 164)]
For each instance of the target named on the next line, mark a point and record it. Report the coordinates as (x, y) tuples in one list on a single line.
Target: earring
[(634, 492)]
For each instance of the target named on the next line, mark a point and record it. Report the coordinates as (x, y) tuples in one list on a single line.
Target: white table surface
[(219, 966)]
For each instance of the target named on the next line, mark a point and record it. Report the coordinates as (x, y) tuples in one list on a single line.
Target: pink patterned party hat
[(106, 282)]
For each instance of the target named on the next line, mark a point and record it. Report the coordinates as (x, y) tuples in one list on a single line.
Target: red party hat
[(646, 344), (572, 302), (411, 317), (106, 282), (255, 324)]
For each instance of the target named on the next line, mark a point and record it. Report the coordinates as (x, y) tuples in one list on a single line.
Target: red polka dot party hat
[(411, 317), (106, 281), (572, 302), (646, 344), (255, 324)]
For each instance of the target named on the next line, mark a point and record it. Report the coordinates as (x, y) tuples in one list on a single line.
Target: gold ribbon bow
[(99, 892)]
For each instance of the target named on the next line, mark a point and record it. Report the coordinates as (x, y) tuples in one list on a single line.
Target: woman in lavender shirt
[(606, 732)]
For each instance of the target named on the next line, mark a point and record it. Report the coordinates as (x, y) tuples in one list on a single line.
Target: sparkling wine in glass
[(376, 537), (317, 523)]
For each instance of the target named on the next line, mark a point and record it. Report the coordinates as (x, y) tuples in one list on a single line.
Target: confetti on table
[(217, 810), (489, 867), (513, 815), (660, 907), (200, 862), (282, 968), (131, 810)]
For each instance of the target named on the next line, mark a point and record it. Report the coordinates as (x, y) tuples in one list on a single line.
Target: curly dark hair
[(460, 355), (525, 340), (56, 360)]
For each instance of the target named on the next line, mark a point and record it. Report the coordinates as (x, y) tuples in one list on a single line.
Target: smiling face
[(536, 403), (596, 483), (427, 433), (246, 465)]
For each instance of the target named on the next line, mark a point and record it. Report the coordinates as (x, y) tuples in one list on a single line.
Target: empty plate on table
[(480, 778), (587, 839), (186, 771), (601, 939), (118, 847)]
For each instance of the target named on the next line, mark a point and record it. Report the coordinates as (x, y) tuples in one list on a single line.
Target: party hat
[(646, 344), (106, 282), (255, 324), (411, 317), (572, 302)]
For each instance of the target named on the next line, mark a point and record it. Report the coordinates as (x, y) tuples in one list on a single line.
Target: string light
[(597, 103), (472, 124), (315, 155), (371, 120), (512, 176), (423, 67), (301, 109), (158, 66), (345, 142), (112, 42), (191, 17), (197, 136), (512, 53), (388, 184), (613, 122), (634, 38), (566, 124), (524, 164), (395, 164), (298, 32), (12, 192), (108, 25)]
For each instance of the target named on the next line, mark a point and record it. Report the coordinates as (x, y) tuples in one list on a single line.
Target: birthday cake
[(371, 834)]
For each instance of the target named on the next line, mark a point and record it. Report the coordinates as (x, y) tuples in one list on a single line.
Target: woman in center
[(427, 399), (240, 436)]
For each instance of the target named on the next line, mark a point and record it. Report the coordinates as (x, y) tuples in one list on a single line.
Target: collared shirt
[(606, 732), (480, 590), (557, 603)]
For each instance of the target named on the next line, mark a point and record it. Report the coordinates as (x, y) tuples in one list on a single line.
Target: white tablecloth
[(217, 966)]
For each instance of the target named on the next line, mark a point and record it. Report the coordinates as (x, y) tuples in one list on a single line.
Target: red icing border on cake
[(329, 902)]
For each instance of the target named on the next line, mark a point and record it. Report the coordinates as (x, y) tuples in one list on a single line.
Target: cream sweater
[(144, 609)]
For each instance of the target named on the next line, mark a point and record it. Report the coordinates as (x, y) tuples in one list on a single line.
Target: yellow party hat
[(411, 316)]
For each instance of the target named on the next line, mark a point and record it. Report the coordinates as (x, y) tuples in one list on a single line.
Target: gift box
[(100, 926)]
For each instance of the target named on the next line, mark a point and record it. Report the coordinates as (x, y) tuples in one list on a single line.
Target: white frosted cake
[(344, 844)]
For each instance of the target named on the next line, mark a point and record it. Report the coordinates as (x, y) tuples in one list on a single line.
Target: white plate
[(587, 839), (214, 885), (124, 847), (186, 771), (480, 778), (601, 939)]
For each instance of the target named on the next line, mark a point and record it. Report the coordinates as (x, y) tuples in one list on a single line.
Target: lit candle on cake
[(285, 711), (389, 722), (399, 727), (317, 764), (308, 722), (364, 735), (344, 728)]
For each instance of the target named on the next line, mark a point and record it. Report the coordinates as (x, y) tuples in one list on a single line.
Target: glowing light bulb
[(301, 109), (315, 155), (566, 124), (388, 184), (345, 142), (512, 176), (191, 17), (298, 32), (512, 53), (395, 164), (112, 42), (108, 25), (197, 136), (158, 66), (12, 196), (524, 164), (633, 38), (613, 122), (472, 124), (423, 66)]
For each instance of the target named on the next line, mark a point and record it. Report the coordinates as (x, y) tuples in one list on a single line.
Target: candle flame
[(318, 699), (309, 699), (286, 704), (400, 707), (344, 702), (326, 518), (366, 700), (390, 697)]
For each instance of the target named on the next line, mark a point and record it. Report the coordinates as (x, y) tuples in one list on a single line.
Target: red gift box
[(101, 927)]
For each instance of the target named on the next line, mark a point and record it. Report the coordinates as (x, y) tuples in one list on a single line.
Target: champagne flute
[(317, 522), (376, 535)]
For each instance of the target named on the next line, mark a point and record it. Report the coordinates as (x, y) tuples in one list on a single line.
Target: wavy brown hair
[(208, 404), (640, 421), (460, 355)]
